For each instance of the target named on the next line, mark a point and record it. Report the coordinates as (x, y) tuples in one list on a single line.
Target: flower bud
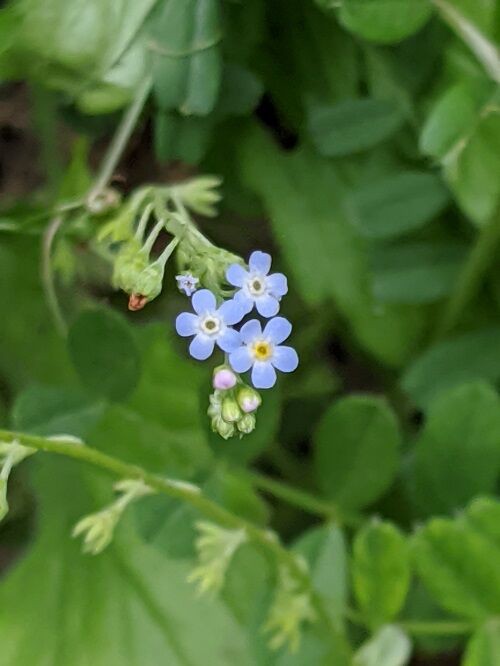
[(231, 413), (223, 378), (248, 399), (225, 430), (246, 424), (200, 194)]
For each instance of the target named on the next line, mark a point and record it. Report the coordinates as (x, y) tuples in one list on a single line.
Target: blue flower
[(187, 283), (256, 286), (209, 325), (263, 352)]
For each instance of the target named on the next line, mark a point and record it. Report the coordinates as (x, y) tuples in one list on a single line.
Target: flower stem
[(421, 628), (120, 139), (301, 499), (182, 491), (472, 274), (47, 274)]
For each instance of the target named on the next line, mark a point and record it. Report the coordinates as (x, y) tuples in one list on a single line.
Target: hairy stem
[(185, 492), (471, 277)]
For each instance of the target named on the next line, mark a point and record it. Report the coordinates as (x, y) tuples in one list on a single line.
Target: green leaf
[(325, 551), (463, 132), (352, 126), (390, 646), (304, 196), (129, 605), (397, 204), (483, 648), (416, 272), (185, 46), (47, 410), (104, 353), (380, 572), (356, 450), (181, 138), (465, 358), (159, 426), (384, 21), (458, 566), (462, 425)]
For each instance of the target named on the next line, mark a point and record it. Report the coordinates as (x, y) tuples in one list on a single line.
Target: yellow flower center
[(262, 350)]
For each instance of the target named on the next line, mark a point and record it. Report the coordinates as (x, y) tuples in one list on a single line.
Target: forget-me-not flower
[(210, 324), (188, 284), (256, 286), (263, 352)]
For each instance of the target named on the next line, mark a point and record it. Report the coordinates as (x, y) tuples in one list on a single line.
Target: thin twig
[(47, 274)]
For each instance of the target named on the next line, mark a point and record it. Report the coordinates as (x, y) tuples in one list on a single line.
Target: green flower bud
[(246, 424), (248, 399), (225, 430), (230, 411)]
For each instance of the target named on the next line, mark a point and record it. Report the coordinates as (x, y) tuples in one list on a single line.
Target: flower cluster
[(253, 347)]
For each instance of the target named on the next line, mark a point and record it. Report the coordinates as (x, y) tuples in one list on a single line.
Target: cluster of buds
[(232, 404)]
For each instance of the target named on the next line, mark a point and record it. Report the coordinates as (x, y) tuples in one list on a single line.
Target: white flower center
[(256, 285), (210, 324)]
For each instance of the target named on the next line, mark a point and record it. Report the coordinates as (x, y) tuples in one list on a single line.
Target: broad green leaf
[(416, 272), (458, 566), (179, 137), (304, 196), (464, 358), (325, 550), (384, 21), (104, 353), (159, 426), (129, 605), (186, 61), (463, 132), (398, 204), (356, 450), (380, 571), (45, 410), (483, 648), (462, 425), (483, 515), (352, 126), (390, 646)]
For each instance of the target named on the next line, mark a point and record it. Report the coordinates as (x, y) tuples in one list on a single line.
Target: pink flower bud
[(224, 379)]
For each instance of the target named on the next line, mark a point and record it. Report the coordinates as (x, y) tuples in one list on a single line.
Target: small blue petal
[(260, 262), (236, 275), (263, 375), (231, 312), (285, 359), (186, 324), (277, 330), (229, 340), (244, 300), (250, 331), (267, 306), (277, 284), (203, 301), (240, 360), (201, 347)]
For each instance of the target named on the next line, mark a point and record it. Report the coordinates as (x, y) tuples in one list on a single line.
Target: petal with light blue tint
[(277, 330), (267, 306), (263, 375), (231, 312), (236, 275), (285, 359), (186, 324), (240, 360), (201, 347), (251, 330), (244, 300), (260, 262), (229, 340), (203, 301), (277, 284)]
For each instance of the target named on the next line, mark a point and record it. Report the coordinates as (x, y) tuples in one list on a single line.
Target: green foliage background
[(359, 141)]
